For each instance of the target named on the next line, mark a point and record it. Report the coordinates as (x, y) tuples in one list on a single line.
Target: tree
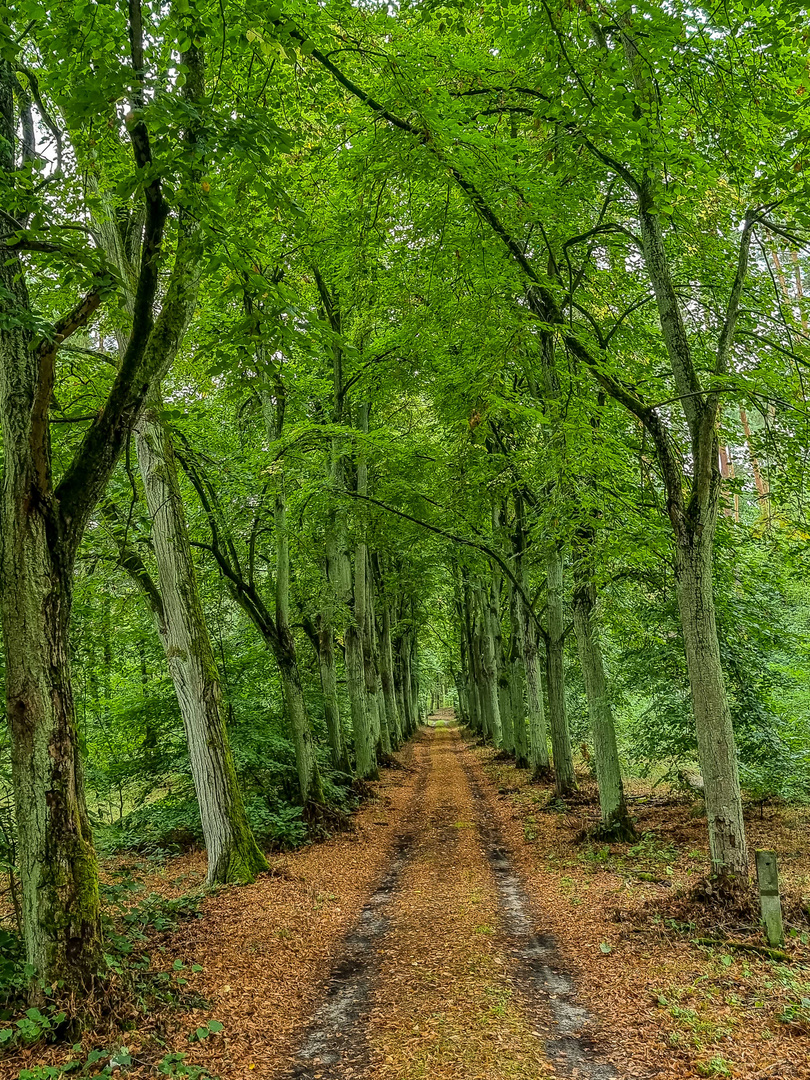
[(43, 520)]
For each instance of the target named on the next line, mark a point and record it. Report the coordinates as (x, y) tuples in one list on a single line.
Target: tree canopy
[(356, 358)]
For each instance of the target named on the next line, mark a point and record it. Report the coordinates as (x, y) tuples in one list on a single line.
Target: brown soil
[(669, 1009), (461, 932), (446, 1006)]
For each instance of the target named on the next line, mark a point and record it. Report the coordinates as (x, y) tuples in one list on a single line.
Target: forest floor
[(463, 930)]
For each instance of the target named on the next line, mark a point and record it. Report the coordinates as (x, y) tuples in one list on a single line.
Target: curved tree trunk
[(233, 855)]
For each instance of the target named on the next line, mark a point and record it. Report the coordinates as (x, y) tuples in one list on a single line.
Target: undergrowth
[(131, 984)]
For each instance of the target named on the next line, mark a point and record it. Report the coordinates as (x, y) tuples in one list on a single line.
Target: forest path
[(444, 974)]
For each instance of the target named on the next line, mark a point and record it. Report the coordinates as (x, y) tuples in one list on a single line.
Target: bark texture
[(615, 821), (715, 732), (233, 855), (564, 776)]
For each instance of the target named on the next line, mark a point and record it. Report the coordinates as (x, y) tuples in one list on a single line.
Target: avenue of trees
[(357, 358)]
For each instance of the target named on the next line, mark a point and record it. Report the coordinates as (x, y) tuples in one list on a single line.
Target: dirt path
[(407, 949), (445, 974)]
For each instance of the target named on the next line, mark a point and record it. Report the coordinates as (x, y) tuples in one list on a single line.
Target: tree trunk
[(715, 733), (324, 640), (524, 622), (502, 667), (339, 575), (58, 872), (517, 680), (615, 821), (505, 706), (387, 675), (564, 776), (413, 665), (309, 777), (233, 855), (489, 673), (41, 526), (538, 731), (365, 751), (470, 656), (371, 663), (411, 708)]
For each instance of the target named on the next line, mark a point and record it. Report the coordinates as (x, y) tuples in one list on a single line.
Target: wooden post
[(770, 904)]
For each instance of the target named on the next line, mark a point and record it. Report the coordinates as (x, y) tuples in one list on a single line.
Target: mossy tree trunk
[(233, 855), (564, 777), (615, 820), (58, 874), (41, 526), (517, 680)]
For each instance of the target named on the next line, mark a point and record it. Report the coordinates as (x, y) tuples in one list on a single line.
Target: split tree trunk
[(41, 528)]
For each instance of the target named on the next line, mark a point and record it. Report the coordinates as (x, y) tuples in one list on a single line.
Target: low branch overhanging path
[(445, 973)]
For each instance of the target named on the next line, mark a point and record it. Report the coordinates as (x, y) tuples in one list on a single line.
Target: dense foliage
[(356, 359)]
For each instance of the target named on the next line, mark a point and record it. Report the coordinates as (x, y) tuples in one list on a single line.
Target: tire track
[(395, 937), (538, 969), (334, 1045)]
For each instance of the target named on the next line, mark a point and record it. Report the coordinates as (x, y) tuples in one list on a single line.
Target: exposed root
[(322, 818), (620, 830), (749, 946), (389, 761)]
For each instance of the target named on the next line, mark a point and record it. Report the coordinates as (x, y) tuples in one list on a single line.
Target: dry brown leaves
[(669, 1009), (444, 1008), (266, 949)]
